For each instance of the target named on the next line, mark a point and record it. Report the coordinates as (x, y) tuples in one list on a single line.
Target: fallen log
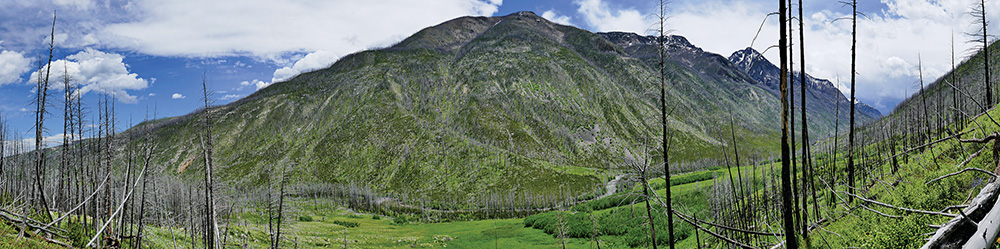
[(33, 224), (986, 231), (994, 176), (929, 144), (910, 210), (954, 233)]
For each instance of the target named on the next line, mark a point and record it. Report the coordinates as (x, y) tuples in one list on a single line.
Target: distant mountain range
[(513, 104), (822, 94), (749, 67)]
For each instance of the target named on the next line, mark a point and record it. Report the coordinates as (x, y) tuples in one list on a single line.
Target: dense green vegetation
[(517, 105)]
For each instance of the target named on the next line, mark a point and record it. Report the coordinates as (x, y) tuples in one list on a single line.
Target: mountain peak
[(522, 13), (768, 75), (750, 61)]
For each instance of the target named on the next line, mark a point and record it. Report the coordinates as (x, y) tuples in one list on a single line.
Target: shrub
[(401, 219), (582, 208), (376, 217), (305, 218), (347, 224)]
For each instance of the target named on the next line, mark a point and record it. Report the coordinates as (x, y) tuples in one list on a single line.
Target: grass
[(329, 228), (9, 239)]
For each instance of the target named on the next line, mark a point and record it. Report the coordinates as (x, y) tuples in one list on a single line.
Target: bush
[(620, 199), (347, 224), (578, 225), (582, 208), (305, 218), (77, 233), (687, 178), (401, 219), (376, 217)]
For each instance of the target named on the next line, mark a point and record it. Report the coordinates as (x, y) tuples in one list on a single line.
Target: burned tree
[(40, 98), (786, 190), (850, 132), (981, 40), (206, 146), (663, 121)]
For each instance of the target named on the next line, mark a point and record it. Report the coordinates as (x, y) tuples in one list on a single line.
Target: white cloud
[(312, 61), (177, 96), (93, 70), (261, 84), (28, 144), (557, 18), (279, 31), (271, 29), (12, 66), (152, 94), (79, 4), (603, 17), (888, 41)]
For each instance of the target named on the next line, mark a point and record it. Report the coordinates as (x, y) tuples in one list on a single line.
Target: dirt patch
[(185, 165)]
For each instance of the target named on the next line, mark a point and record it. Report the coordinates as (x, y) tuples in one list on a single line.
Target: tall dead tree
[(954, 92), (41, 94), (206, 146), (68, 126), (806, 162), (836, 139), (850, 132), (981, 39), (786, 190), (791, 116), (4, 180), (663, 121), (923, 99)]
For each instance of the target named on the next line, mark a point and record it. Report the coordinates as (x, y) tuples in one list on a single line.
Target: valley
[(520, 131)]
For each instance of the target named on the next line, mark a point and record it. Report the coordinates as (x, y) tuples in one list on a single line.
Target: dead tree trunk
[(42, 92), (663, 122), (806, 164), (850, 134), (213, 231), (980, 15), (786, 190)]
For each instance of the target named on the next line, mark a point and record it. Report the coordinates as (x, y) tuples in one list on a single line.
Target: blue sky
[(152, 53)]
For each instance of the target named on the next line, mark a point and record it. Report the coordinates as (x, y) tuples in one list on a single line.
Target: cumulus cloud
[(177, 96), (312, 61), (557, 18), (256, 83), (280, 32), (152, 94), (271, 29), (604, 17), (12, 66), (93, 70)]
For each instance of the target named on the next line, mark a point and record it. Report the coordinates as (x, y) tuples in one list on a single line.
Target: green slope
[(474, 105)]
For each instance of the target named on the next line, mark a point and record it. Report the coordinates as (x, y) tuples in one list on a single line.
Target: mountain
[(709, 86), (821, 93), (479, 106)]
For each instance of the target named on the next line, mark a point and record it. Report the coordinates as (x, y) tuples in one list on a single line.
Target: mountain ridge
[(478, 105)]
